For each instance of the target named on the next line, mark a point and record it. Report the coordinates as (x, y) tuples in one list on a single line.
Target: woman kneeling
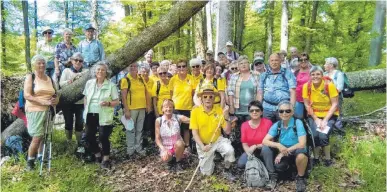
[(168, 137)]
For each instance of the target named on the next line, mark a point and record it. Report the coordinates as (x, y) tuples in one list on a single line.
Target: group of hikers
[(228, 106)]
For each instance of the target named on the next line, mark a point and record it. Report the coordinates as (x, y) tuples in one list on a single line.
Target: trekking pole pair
[(201, 161), (49, 126)]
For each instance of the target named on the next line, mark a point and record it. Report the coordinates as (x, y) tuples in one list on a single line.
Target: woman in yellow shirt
[(321, 101)]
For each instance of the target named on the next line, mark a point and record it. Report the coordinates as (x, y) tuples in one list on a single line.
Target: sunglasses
[(285, 111), (181, 66), (78, 60), (162, 73), (234, 68), (196, 66), (303, 60), (259, 63), (47, 33), (255, 110), (208, 96)]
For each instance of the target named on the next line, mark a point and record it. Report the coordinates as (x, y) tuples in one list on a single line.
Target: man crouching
[(205, 124)]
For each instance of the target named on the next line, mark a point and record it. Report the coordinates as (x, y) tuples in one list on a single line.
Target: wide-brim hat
[(207, 88), (47, 29)]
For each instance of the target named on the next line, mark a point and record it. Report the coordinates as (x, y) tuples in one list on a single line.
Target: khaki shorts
[(36, 122), (223, 146)]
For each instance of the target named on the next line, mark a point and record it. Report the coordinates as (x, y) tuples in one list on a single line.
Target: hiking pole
[(310, 131), (50, 146), (202, 158), (44, 141)]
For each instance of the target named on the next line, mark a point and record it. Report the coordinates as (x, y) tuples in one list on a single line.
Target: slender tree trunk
[(378, 28), (3, 34), (303, 23), (177, 42), (26, 34), (308, 45), (36, 19), (189, 43), (240, 25), (270, 27), (144, 16), (224, 25), (66, 12), (284, 26), (128, 10), (94, 17), (210, 44), (200, 34)]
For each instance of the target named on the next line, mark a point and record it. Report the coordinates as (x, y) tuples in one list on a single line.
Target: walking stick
[(51, 132), (205, 154), (45, 140)]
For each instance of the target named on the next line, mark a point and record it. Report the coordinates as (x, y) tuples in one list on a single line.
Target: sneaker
[(228, 175), (106, 165), (272, 183), (187, 152), (30, 165), (300, 184), (316, 162), (179, 166), (328, 162)]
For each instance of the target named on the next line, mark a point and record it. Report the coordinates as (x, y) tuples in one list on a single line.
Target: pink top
[(254, 136), (169, 131), (302, 78)]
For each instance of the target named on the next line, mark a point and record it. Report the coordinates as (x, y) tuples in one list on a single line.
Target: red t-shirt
[(255, 136)]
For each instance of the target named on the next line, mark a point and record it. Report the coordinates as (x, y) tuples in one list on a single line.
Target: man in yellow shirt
[(135, 100), (181, 87), (205, 124)]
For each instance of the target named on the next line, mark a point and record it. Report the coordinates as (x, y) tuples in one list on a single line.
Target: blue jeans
[(299, 110), (243, 158)]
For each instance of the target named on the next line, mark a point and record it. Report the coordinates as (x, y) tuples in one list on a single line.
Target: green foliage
[(364, 102), (67, 173)]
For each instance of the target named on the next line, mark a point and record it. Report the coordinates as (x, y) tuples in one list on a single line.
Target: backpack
[(279, 127), (22, 100), (158, 86), (264, 82), (255, 174), (327, 80), (347, 91), (214, 82), (129, 85)]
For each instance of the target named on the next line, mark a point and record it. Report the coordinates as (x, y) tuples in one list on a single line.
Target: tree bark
[(200, 34), (240, 25), (284, 26), (94, 17), (209, 27), (378, 28), (66, 12), (26, 34), (36, 19), (224, 26), (128, 10), (365, 80), (308, 45), (270, 23), (3, 34)]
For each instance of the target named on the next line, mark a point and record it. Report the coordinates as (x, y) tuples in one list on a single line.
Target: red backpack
[(327, 80)]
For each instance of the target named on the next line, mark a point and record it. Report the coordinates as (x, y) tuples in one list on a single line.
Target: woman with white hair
[(69, 75), (101, 96), (63, 51), (337, 76), (40, 93), (149, 122)]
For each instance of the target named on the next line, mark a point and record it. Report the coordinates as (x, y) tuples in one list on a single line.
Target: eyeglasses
[(285, 111), (255, 110), (162, 73), (47, 33), (208, 96), (78, 60), (303, 60), (259, 63), (196, 66), (234, 68), (181, 66)]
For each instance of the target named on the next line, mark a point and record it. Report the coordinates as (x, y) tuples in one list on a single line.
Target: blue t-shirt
[(288, 138)]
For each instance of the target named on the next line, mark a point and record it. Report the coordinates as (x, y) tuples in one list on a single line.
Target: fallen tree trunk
[(366, 80)]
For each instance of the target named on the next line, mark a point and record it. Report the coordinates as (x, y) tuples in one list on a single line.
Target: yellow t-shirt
[(182, 92), (154, 78), (321, 103), (221, 86), (206, 123), (136, 96), (197, 79), (163, 94)]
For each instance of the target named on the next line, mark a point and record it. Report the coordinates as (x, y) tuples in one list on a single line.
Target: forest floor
[(359, 156)]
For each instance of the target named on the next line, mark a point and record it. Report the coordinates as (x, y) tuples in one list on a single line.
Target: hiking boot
[(228, 175), (172, 164), (98, 159), (328, 162), (141, 153), (179, 166), (300, 184), (106, 165), (30, 165), (316, 162), (272, 183)]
